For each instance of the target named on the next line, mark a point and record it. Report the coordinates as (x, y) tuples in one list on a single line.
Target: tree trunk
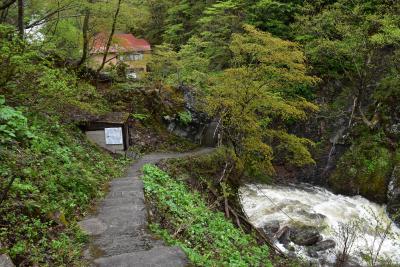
[(3, 15), (109, 41), (85, 35), (21, 28)]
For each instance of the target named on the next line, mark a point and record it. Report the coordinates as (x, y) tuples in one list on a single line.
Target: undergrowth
[(54, 174), (205, 235)]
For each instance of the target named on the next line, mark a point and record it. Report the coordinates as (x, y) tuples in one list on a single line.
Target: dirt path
[(119, 229)]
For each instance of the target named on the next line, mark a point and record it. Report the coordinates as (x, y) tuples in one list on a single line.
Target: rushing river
[(321, 208)]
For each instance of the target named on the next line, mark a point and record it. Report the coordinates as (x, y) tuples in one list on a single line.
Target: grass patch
[(206, 236), (56, 175)]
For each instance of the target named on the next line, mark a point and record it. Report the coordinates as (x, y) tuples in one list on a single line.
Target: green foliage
[(216, 27), (364, 169), (13, 124), (187, 67), (273, 16), (259, 90), (55, 177), (140, 117), (207, 238), (185, 117), (28, 78)]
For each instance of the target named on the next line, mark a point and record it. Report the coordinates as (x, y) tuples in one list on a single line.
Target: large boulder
[(305, 236)]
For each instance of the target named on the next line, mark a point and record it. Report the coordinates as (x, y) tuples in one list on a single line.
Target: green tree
[(273, 16), (216, 26), (354, 42), (256, 98)]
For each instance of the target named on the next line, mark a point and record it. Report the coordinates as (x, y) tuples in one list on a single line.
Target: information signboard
[(113, 136)]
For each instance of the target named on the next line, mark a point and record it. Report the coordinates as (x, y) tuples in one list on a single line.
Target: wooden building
[(125, 48)]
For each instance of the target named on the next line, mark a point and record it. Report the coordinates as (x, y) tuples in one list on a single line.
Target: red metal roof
[(122, 42)]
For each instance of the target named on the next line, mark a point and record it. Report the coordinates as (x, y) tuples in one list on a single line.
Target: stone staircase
[(118, 231)]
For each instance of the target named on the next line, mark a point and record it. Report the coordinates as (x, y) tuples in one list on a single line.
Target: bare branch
[(7, 4), (50, 14), (110, 37)]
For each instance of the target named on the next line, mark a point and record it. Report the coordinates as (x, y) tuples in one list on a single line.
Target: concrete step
[(128, 193), (116, 202), (155, 257)]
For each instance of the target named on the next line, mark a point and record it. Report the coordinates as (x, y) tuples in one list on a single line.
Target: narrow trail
[(118, 231)]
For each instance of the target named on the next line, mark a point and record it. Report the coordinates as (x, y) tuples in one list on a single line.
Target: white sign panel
[(113, 136)]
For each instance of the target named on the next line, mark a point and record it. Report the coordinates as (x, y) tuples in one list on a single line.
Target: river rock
[(305, 236), (324, 245), (283, 235), (312, 216), (312, 253), (271, 228)]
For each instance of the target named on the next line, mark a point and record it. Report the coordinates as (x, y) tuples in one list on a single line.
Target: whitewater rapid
[(315, 206)]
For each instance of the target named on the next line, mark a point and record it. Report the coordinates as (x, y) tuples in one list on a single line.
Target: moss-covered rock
[(364, 169)]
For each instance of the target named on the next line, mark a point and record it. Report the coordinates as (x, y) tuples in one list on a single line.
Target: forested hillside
[(298, 91)]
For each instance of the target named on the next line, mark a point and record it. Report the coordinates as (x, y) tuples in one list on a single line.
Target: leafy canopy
[(257, 97)]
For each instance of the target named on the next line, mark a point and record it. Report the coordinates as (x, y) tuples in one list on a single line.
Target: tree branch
[(49, 14), (370, 124), (6, 4), (21, 25), (110, 37)]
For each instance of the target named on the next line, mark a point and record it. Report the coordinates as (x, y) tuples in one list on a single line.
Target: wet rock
[(352, 262), (393, 194), (312, 253), (316, 216), (324, 245), (5, 261), (292, 255), (283, 235), (270, 228), (305, 236)]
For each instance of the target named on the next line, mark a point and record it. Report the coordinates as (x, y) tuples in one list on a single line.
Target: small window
[(135, 57)]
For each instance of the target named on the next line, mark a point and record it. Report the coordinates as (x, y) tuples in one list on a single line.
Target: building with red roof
[(125, 48)]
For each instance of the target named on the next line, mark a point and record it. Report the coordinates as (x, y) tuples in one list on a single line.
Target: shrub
[(185, 117)]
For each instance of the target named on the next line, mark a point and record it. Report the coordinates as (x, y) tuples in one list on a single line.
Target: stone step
[(127, 193), (114, 220), (126, 182), (116, 202), (127, 242), (155, 257)]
